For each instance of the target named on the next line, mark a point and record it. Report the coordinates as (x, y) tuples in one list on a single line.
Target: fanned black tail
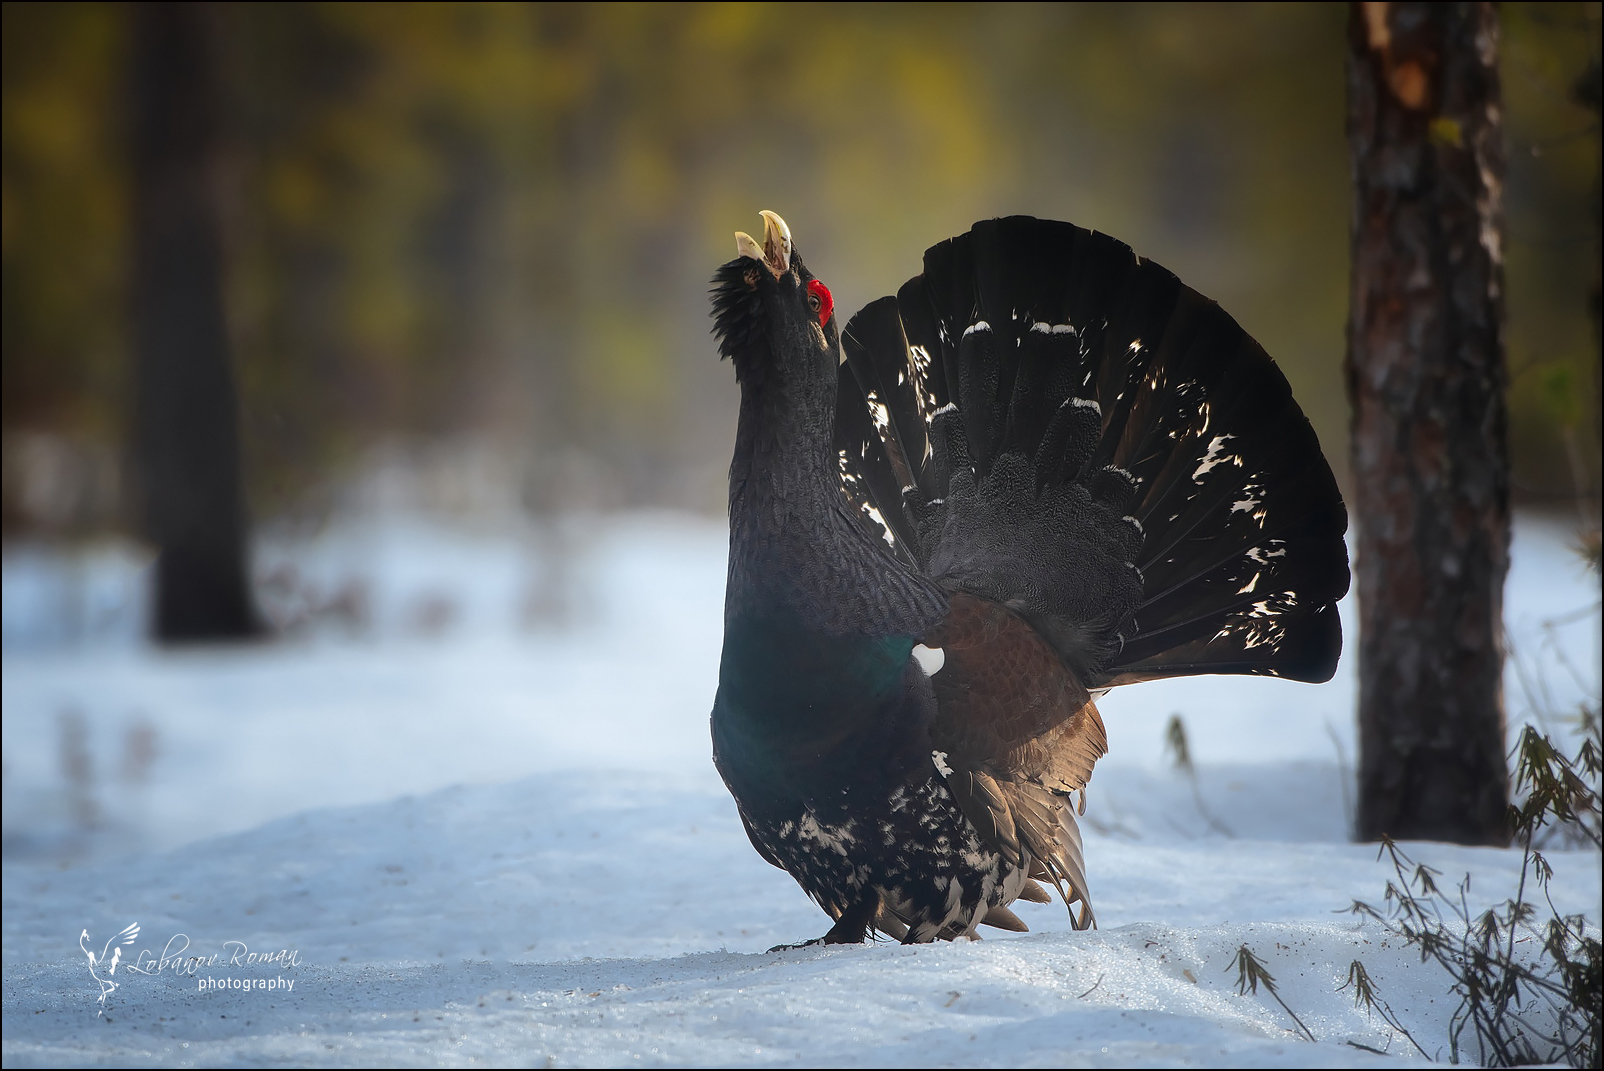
[(1046, 420)]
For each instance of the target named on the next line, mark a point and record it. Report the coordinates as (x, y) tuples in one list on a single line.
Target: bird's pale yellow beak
[(775, 253)]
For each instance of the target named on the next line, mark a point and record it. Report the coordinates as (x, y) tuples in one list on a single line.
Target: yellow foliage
[(502, 217)]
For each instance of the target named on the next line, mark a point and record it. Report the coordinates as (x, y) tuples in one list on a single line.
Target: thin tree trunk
[(1426, 375), (1589, 93), (186, 434)]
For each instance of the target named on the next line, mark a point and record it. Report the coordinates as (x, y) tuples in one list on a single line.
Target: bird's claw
[(792, 948)]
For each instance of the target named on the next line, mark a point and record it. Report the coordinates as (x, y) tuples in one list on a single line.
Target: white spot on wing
[(978, 325), (940, 759), (930, 659), (885, 529)]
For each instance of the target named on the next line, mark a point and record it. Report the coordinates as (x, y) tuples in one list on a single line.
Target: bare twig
[(1344, 775), (1250, 974), (1364, 992), (1176, 743), (1521, 1008)]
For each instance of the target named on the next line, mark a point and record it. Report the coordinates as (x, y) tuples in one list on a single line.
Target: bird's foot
[(793, 948), (852, 928)]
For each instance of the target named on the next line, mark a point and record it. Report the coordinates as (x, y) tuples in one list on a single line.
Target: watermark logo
[(103, 968), (236, 954), (261, 985)]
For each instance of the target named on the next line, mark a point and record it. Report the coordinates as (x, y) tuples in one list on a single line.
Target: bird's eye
[(820, 302)]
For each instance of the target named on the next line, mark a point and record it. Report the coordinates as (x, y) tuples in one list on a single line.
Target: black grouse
[(1045, 468)]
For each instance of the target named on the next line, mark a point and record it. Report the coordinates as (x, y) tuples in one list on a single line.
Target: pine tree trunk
[(1426, 375), (186, 436)]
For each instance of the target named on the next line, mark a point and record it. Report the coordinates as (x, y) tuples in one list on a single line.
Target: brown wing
[(1018, 732)]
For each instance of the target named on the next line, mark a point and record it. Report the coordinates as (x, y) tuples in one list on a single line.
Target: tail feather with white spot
[(1045, 420)]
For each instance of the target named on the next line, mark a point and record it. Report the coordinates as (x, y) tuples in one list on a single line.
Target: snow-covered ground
[(472, 794)]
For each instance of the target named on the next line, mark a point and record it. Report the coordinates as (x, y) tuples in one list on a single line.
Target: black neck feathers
[(796, 553)]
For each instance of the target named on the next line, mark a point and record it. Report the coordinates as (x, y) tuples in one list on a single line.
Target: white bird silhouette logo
[(108, 959)]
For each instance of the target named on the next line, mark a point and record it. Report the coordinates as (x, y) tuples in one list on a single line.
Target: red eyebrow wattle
[(826, 302)]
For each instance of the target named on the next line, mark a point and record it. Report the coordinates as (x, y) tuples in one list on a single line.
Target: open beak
[(776, 251)]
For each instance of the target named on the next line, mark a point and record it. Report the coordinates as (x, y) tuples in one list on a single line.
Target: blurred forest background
[(470, 243)]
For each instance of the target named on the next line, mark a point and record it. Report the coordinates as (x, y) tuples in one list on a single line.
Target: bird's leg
[(852, 928)]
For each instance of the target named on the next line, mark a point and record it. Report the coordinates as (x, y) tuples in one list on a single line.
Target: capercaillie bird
[(1045, 468)]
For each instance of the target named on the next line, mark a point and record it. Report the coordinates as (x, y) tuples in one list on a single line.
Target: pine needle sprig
[(1251, 973), (1518, 1007), (1365, 994)]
